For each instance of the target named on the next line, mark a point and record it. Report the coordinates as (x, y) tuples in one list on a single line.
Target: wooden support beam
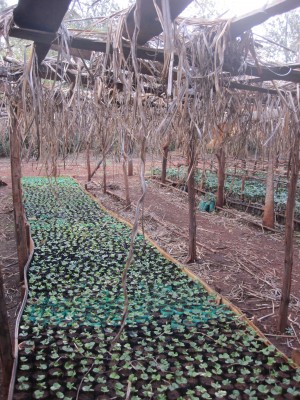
[(85, 44), (79, 53), (44, 18), (6, 351), (41, 15), (150, 24), (251, 88), (284, 73), (257, 17), (16, 174)]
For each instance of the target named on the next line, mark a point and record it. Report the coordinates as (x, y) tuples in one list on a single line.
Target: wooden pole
[(16, 174), (221, 176), (192, 256), (88, 161), (130, 157), (289, 234), (165, 161), (6, 351), (104, 173), (242, 197), (126, 183), (130, 166), (269, 214)]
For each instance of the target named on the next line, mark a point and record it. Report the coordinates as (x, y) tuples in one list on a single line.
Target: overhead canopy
[(40, 20)]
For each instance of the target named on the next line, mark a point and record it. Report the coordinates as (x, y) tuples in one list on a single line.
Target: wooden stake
[(289, 233), (221, 176), (126, 183), (242, 187), (192, 256), (104, 173), (269, 214), (129, 155), (165, 161), (130, 166), (16, 174), (88, 161)]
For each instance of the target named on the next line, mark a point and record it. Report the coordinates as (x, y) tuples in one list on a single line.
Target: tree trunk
[(6, 351), (289, 234), (165, 161), (269, 216), (221, 176), (16, 174), (88, 161), (192, 256)]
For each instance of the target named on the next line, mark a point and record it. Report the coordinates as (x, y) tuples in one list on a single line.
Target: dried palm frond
[(6, 22)]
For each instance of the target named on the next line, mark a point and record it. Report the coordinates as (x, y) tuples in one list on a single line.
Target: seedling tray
[(178, 343)]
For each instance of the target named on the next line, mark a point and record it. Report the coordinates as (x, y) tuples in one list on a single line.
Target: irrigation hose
[(17, 325)]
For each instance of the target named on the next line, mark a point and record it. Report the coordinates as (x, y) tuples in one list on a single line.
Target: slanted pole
[(16, 174), (6, 351), (289, 234)]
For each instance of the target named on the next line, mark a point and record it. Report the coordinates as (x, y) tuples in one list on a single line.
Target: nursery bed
[(178, 342), (251, 199)]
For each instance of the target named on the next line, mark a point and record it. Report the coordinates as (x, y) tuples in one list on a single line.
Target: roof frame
[(82, 47)]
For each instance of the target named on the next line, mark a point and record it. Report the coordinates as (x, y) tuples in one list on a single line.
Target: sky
[(236, 7), (240, 7)]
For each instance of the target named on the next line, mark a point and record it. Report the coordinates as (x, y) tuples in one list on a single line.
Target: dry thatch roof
[(195, 67)]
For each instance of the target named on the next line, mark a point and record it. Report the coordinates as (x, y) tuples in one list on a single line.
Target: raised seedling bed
[(251, 199), (178, 343)]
